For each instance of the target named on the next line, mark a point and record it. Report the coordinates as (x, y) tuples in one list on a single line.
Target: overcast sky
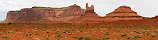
[(146, 8)]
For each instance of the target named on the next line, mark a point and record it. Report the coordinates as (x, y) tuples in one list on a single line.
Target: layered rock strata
[(123, 13), (70, 14)]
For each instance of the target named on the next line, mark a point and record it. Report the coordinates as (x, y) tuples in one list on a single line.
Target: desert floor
[(65, 31)]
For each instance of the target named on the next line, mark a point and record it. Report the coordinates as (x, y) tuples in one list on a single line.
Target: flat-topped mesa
[(49, 13), (40, 7), (13, 15), (73, 10), (124, 13)]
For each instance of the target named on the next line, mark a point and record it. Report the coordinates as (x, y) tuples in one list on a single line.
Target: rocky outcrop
[(73, 10), (90, 11), (70, 14), (123, 13), (37, 13)]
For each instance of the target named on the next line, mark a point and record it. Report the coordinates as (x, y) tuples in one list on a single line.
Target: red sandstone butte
[(123, 13), (70, 14)]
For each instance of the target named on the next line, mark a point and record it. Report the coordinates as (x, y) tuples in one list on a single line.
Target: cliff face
[(70, 14), (73, 10), (90, 11), (45, 14), (30, 14)]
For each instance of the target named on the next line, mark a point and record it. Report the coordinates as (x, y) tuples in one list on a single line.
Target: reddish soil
[(120, 30)]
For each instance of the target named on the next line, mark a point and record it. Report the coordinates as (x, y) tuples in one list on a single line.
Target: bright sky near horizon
[(146, 8)]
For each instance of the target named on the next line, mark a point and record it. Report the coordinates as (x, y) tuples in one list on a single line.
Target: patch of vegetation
[(35, 39), (87, 38), (97, 39), (59, 35), (137, 36), (47, 37), (106, 33), (122, 39), (123, 34), (28, 34), (145, 28), (80, 38), (153, 34), (5, 37), (145, 33)]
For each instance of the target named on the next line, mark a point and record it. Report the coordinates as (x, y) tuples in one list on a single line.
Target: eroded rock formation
[(70, 14), (46, 14), (123, 13)]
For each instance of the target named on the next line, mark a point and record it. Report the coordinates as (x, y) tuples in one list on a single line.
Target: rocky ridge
[(70, 14)]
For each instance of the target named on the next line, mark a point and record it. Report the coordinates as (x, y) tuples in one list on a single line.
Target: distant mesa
[(70, 14), (156, 17), (46, 14)]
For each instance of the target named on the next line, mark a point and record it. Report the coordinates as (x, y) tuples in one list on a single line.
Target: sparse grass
[(97, 39), (78, 32), (153, 34), (122, 39), (137, 36), (28, 34), (80, 38), (35, 39), (60, 35), (87, 38), (105, 38), (5, 37)]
